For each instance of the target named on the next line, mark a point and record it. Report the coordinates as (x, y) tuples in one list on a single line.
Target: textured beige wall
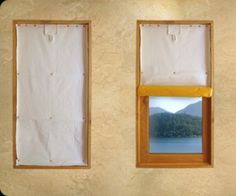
[(113, 171)]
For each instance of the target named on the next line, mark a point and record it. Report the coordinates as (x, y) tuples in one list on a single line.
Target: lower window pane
[(175, 125)]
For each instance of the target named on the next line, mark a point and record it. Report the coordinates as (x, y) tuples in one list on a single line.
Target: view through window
[(175, 125)]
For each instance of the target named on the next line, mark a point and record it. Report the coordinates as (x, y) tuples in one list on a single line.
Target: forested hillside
[(174, 125)]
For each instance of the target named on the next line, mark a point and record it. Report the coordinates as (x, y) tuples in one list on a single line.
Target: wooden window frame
[(88, 90), (168, 160)]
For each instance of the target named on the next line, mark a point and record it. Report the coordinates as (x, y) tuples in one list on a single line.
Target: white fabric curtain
[(51, 111), (175, 55)]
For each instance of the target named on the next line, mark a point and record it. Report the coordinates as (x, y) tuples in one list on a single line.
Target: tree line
[(175, 125)]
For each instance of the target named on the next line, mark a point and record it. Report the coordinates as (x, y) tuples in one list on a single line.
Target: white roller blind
[(175, 55), (51, 109)]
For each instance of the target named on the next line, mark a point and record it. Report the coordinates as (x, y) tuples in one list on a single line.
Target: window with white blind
[(174, 93), (51, 98)]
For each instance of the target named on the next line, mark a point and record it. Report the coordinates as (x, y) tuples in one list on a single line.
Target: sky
[(172, 104)]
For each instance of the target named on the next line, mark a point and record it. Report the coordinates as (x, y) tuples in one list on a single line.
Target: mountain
[(194, 109), (156, 110)]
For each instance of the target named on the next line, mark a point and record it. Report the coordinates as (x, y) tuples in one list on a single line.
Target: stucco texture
[(113, 171)]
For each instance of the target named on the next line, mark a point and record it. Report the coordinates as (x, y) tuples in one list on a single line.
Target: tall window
[(51, 94), (174, 93)]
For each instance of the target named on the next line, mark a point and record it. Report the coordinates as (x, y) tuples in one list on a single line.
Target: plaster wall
[(113, 169)]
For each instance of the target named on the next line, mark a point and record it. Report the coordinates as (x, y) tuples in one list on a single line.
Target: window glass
[(175, 125)]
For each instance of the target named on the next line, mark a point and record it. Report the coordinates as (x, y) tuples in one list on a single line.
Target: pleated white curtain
[(51, 61), (175, 55)]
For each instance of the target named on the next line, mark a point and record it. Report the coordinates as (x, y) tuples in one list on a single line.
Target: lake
[(175, 145)]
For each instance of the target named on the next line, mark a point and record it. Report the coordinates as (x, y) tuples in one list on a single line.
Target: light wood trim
[(171, 165), (212, 65), (60, 22), (183, 22), (51, 167), (146, 159), (89, 87), (178, 91), (137, 96), (14, 89), (88, 94), (142, 125), (207, 129)]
